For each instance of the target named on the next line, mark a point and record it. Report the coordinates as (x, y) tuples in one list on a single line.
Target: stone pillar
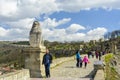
[(32, 61)]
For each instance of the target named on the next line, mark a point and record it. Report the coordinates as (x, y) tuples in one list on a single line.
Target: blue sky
[(68, 20), (93, 18)]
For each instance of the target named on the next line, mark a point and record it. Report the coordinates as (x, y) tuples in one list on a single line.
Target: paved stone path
[(60, 78), (69, 71)]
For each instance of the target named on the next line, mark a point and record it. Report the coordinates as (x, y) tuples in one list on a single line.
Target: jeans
[(77, 64), (47, 70)]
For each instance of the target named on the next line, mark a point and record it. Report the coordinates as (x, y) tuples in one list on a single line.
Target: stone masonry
[(34, 53), (32, 61)]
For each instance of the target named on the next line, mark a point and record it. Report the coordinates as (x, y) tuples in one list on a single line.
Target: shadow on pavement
[(91, 75), (70, 67)]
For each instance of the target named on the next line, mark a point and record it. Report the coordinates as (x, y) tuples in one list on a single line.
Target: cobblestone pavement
[(69, 71), (60, 78)]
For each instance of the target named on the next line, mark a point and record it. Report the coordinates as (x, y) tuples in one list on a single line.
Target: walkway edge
[(59, 61)]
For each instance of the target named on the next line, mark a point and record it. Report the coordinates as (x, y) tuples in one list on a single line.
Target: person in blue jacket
[(47, 60), (78, 58)]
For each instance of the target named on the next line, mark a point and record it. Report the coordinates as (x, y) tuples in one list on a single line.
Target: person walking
[(93, 54), (85, 60), (89, 54), (77, 58), (100, 55), (96, 54), (47, 60)]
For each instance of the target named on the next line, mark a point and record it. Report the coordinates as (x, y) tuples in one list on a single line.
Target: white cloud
[(52, 23), (3, 32), (19, 9), (19, 15), (77, 5), (8, 7), (22, 24), (53, 34), (97, 31), (61, 35), (74, 28), (18, 30), (13, 34), (50, 32), (96, 34), (74, 37), (11, 10)]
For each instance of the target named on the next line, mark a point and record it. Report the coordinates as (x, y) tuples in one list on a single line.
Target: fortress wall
[(18, 75)]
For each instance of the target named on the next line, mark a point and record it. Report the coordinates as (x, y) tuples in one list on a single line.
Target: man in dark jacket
[(47, 60)]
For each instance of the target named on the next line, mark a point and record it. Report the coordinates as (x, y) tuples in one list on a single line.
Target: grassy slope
[(111, 73)]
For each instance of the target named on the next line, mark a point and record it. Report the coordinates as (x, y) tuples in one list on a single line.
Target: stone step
[(60, 78)]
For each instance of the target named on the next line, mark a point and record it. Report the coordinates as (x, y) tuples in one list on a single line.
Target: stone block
[(1, 78), (32, 61), (98, 65), (8, 78), (15, 77), (99, 75), (18, 75)]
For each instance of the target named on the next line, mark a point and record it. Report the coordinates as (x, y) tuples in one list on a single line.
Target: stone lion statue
[(35, 35)]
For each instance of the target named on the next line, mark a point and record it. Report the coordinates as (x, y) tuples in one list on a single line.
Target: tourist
[(89, 54), (47, 60), (103, 53), (96, 54), (93, 53), (77, 58), (99, 55), (85, 61)]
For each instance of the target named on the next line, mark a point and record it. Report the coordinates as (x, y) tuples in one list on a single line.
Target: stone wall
[(99, 69), (18, 75), (99, 75)]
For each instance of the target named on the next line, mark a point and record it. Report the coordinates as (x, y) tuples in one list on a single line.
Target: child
[(85, 60)]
